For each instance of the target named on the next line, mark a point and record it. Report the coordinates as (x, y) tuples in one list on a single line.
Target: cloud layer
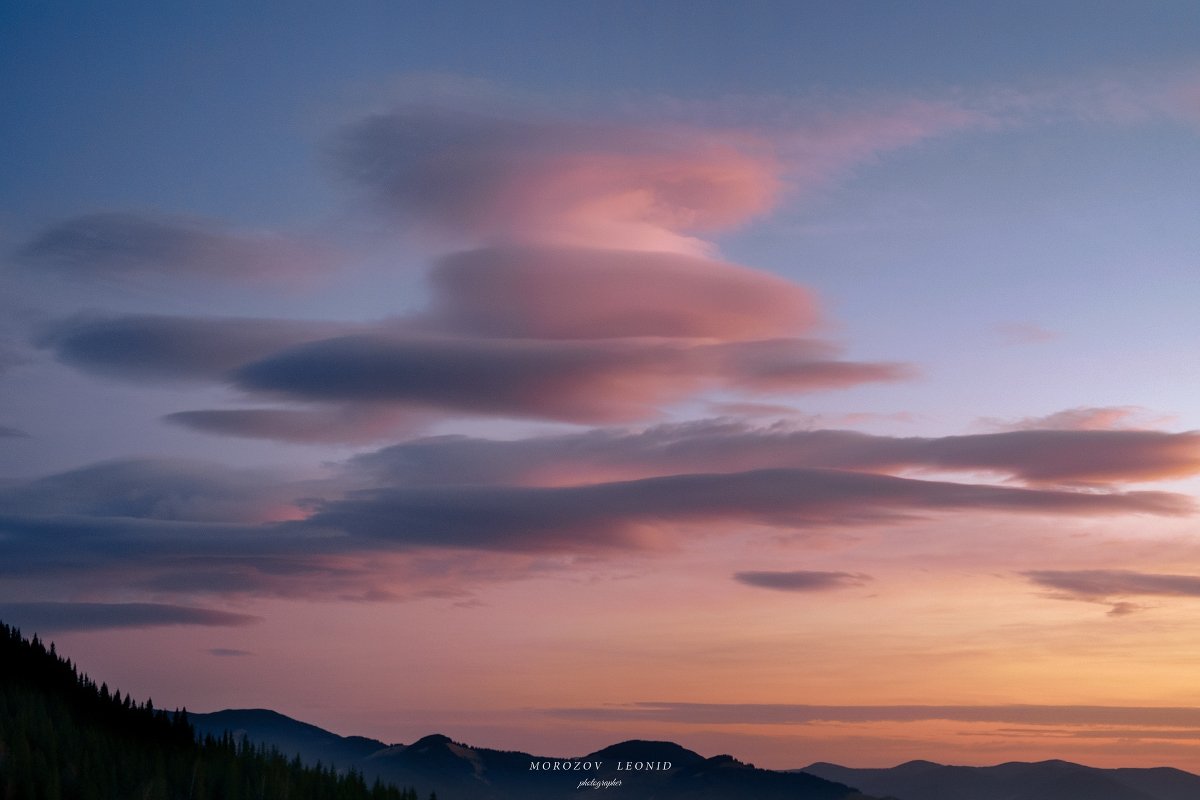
[(162, 489), (188, 527), (584, 294), (799, 714), (1037, 457), (635, 513), (60, 617), (574, 287), (571, 380)]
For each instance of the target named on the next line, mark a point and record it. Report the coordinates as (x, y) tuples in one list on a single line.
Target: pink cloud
[(589, 301), (575, 293), (503, 180), (1088, 418)]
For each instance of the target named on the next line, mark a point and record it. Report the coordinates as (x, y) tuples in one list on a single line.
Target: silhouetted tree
[(62, 737)]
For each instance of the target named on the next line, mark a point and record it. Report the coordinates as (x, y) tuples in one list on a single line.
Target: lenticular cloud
[(488, 179), (592, 293), (575, 287)]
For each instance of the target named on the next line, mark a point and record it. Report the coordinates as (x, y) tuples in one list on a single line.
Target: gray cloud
[(574, 380), (1107, 586), (391, 364), (12, 355), (632, 513), (42, 617), (354, 423), (1043, 456), (63, 544), (229, 652), (1100, 583), (156, 347), (801, 580), (182, 527), (163, 489), (114, 244), (12, 433)]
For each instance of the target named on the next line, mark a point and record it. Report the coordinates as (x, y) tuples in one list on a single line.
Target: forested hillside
[(62, 736)]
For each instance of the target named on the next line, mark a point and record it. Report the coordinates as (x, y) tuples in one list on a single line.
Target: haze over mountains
[(457, 771)]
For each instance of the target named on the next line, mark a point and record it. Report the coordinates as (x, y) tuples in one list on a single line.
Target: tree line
[(62, 737)]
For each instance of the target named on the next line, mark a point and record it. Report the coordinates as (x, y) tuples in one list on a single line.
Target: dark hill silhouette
[(640, 750), (725, 777), (1016, 780), (287, 735)]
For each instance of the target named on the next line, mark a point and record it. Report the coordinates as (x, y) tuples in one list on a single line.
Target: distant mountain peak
[(253, 713), (919, 763), (648, 750), (431, 740)]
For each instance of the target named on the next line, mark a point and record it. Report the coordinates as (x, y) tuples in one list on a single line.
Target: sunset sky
[(801, 381)]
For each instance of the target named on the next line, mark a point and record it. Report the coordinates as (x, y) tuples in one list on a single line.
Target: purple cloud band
[(48, 616)]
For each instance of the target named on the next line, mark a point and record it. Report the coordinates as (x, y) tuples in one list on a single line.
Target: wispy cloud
[(48, 616), (797, 714), (1112, 586), (124, 245), (229, 652), (1040, 456), (1085, 418)]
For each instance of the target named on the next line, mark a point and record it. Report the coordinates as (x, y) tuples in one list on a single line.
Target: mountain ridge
[(1051, 779), (459, 771)]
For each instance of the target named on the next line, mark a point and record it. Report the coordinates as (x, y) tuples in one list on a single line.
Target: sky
[(802, 381)]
